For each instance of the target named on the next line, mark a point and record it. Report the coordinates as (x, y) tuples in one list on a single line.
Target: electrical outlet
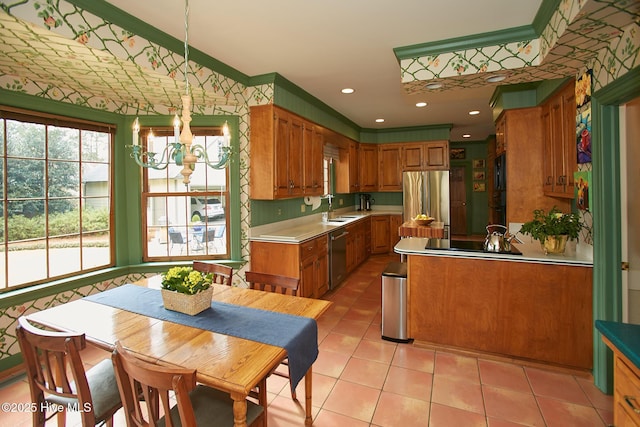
[(340, 202), (279, 212), (303, 208)]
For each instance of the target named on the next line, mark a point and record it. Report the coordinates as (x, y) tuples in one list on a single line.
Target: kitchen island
[(525, 305)]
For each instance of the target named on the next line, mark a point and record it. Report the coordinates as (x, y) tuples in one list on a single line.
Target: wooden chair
[(57, 378), (273, 283), (222, 274), (279, 284), (197, 405)]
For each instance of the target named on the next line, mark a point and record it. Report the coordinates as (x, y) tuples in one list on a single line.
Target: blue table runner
[(297, 334)]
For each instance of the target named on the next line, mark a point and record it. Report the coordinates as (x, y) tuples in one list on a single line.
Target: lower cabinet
[(384, 233), (358, 243), (307, 261)]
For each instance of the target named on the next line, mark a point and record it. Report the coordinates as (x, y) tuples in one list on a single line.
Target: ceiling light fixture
[(421, 104), (182, 151), (433, 86), (474, 112), (348, 90), (379, 120), (466, 135), (496, 78)]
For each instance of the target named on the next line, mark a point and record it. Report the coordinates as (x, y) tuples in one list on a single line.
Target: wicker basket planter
[(185, 303)]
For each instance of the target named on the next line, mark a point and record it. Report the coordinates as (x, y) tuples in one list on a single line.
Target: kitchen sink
[(337, 220)]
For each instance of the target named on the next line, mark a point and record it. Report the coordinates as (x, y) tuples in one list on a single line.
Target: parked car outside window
[(206, 208)]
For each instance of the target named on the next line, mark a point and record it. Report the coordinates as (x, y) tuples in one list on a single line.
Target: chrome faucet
[(330, 212)]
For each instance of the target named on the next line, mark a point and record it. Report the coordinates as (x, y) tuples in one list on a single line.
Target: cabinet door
[(354, 175), (308, 277), (390, 173), (312, 142), (295, 157), (501, 144), (547, 140), (380, 234), (412, 157), (281, 153), (322, 267), (436, 155), (569, 149), (368, 166)]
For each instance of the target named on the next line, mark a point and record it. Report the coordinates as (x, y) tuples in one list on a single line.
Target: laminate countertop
[(306, 228), (625, 336)]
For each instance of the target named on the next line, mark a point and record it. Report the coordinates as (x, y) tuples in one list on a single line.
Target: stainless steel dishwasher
[(337, 257)]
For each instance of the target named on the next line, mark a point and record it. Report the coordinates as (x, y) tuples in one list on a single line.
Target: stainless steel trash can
[(394, 302)]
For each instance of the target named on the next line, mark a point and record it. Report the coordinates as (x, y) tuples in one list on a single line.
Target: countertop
[(531, 252), (309, 227), (625, 336)]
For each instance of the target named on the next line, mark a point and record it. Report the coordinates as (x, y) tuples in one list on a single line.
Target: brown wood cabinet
[(395, 221), (368, 166), (559, 139), (539, 312), (521, 129), (425, 155), (390, 167), (313, 157), (380, 234), (347, 175), (307, 261), (626, 389), (358, 243), (277, 152)]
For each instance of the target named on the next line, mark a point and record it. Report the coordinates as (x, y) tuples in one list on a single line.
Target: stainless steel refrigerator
[(427, 192)]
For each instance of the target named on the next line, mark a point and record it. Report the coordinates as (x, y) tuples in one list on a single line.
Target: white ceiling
[(324, 46)]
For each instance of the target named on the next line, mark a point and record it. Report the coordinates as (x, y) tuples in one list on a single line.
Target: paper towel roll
[(313, 201)]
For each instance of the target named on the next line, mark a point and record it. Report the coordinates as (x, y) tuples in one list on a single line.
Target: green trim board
[(406, 134), (509, 35)]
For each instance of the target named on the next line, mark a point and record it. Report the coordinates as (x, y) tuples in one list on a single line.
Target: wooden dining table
[(234, 365)]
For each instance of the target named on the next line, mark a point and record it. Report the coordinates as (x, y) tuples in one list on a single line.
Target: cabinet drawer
[(627, 390), (307, 249)]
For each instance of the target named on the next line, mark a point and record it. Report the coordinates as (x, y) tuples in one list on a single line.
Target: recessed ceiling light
[(466, 135), (434, 86), (421, 104), (348, 90), (379, 120), (474, 112), (495, 79)]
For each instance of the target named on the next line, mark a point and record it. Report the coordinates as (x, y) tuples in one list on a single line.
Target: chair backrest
[(222, 274), (154, 382), (273, 283), (52, 361), (176, 237)]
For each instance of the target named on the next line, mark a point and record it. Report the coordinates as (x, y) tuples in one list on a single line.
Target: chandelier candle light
[(182, 152)]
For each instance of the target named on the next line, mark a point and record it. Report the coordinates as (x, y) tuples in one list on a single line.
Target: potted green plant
[(552, 229), (186, 290)]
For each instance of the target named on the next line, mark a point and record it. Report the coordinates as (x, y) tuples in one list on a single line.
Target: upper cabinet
[(284, 161), (347, 176), (368, 165), (425, 155), (559, 141), (390, 167)]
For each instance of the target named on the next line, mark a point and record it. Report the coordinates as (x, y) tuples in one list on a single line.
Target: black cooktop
[(464, 245)]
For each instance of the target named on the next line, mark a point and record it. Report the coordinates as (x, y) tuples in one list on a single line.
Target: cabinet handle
[(630, 400), (549, 180)]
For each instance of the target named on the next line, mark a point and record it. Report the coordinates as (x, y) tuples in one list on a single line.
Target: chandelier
[(182, 151)]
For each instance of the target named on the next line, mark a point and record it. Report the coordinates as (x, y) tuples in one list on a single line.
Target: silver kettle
[(498, 239)]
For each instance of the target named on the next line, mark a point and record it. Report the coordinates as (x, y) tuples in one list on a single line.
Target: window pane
[(95, 179), (25, 178), (95, 146), (25, 139), (63, 143), (27, 262), (64, 179), (95, 249), (64, 255), (64, 218)]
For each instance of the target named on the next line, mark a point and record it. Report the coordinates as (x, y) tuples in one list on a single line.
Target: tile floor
[(361, 380)]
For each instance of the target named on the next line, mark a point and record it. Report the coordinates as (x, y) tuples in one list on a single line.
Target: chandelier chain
[(186, 45)]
